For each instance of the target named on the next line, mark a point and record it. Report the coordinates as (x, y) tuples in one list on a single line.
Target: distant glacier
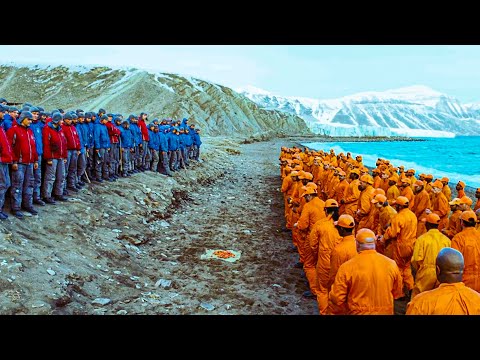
[(415, 111)]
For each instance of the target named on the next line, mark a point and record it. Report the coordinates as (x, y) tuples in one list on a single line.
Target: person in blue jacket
[(188, 140), (173, 148), (82, 130), (153, 146), (90, 119), (197, 142), (37, 127), (163, 148), (181, 148), (101, 142), (137, 140), (126, 148)]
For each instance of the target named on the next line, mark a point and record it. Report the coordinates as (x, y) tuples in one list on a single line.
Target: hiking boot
[(60, 198), (49, 201), (298, 265), (3, 216), (38, 202), (31, 210), (18, 214), (72, 188)]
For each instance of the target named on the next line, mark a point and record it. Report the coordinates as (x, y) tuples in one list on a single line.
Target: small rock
[(228, 306), (207, 306), (138, 286), (51, 272), (122, 312), (230, 197), (116, 272), (164, 224), (148, 190), (166, 284), (247, 232), (117, 231), (276, 285), (105, 215), (38, 304), (101, 301), (134, 278)]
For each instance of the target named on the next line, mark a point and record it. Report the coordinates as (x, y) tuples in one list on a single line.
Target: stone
[(101, 301), (117, 231), (207, 306), (122, 312), (51, 272), (164, 224), (166, 284)]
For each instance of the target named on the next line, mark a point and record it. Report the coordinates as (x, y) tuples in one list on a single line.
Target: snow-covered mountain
[(413, 111)]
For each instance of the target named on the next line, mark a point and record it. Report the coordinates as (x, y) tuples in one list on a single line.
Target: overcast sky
[(315, 71)]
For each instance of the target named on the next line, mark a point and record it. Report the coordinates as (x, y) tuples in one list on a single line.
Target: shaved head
[(449, 265)]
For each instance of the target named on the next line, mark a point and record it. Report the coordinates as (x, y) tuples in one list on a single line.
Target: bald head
[(449, 265)]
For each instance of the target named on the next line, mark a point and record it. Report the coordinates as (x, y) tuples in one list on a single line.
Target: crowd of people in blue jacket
[(46, 156)]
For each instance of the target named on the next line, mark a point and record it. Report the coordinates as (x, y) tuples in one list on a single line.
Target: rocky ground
[(135, 246)]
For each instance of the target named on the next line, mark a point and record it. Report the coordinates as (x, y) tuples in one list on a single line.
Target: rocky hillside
[(216, 109)]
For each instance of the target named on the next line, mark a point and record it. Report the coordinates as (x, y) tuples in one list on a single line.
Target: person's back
[(368, 283), (468, 243), (452, 297), (425, 252)]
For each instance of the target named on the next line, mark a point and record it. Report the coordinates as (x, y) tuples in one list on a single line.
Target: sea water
[(456, 158)]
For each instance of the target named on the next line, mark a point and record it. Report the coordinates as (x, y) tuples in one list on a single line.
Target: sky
[(313, 71)]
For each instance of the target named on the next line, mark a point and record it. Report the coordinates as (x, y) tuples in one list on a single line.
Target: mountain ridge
[(400, 111), (216, 109)]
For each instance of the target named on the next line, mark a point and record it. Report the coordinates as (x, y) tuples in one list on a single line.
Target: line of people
[(46, 156), (399, 224)]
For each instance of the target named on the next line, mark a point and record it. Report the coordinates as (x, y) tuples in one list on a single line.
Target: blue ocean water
[(456, 158)]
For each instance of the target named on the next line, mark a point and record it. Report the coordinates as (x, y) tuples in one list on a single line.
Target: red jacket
[(23, 144), (6, 151), (143, 128), (54, 143), (73, 141), (113, 133)]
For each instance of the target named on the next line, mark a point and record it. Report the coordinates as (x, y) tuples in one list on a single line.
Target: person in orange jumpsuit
[(312, 212), (392, 192), (402, 234), (368, 283), (331, 188), (287, 189), (352, 194), (410, 176), (428, 184), (477, 196), (341, 190), (468, 243), (451, 297), (365, 211), (425, 253), (439, 204), (323, 238), (422, 203), (386, 214), (460, 189), (446, 189), (406, 191), (465, 203), (454, 226), (478, 219), (345, 249), (384, 175)]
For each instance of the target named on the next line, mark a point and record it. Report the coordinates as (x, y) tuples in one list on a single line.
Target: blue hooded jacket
[(153, 142), (126, 137), (197, 140), (82, 131), (163, 139), (172, 141), (137, 134), (37, 129), (101, 140)]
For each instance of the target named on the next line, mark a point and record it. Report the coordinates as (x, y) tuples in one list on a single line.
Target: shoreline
[(469, 190)]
